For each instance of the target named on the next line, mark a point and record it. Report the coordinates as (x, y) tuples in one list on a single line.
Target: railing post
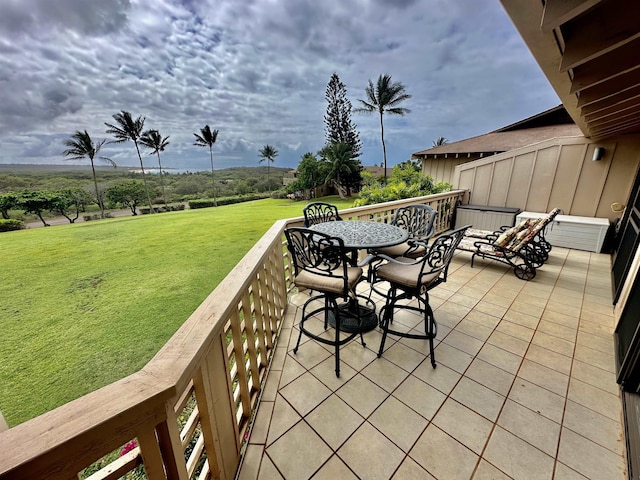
[(171, 447), (3, 423), (151, 454), (217, 416), (279, 278)]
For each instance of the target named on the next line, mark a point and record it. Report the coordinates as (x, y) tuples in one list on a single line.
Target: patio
[(524, 388)]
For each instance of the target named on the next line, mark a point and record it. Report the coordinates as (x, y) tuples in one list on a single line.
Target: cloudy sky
[(256, 70)]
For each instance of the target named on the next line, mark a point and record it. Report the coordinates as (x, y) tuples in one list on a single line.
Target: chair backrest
[(317, 253), (530, 228), (511, 236), (440, 253), (417, 220), (553, 213), (320, 212)]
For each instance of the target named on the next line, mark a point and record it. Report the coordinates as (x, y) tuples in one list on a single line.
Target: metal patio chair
[(321, 264), (409, 278)]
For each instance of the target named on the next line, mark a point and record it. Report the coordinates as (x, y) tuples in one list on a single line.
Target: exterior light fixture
[(598, 153)]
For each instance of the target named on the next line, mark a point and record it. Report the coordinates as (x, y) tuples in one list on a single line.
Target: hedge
[(11, 224), (208, 202), (162, 208)]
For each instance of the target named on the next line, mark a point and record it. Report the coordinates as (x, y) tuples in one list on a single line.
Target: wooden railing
[(187, 412)]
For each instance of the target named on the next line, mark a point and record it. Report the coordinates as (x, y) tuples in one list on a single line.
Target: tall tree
[(207, 138), (268, 154), (80, 146), (384, 97), (126, 129), (338, 125), (154, 141), (440, 141)]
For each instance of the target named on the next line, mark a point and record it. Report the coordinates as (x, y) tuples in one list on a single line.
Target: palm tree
[(129, 129), (154, 141), (80, 146), (341, 164), (207, 138), (384, 97), (440, 141), (268, 154)]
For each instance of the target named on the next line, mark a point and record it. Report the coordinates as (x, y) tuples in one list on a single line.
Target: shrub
[(282, 193), (202, 203), (208, 202), (162, 208), (97, 216), (400, 186), (11, 224)]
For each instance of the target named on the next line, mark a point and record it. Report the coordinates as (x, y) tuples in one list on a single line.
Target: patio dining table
[(361, 235)]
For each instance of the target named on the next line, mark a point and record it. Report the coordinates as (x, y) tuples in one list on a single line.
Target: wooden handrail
[(218, 359)]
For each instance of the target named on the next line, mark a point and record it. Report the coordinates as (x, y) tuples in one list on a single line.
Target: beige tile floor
[(524, 387)]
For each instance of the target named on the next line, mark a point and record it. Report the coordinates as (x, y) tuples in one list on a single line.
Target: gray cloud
[(256, 70), (88, 17)]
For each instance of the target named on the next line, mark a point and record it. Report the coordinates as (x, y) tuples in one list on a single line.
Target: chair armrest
[(484, 242), (415, 244)]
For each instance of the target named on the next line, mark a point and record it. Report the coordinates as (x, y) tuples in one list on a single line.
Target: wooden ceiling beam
[(621, 87), (631, 127), (601, 64), (603, 109), (557, 12), (617, 62), (633, 106), (598, 32), (615, 129), (620, 118)]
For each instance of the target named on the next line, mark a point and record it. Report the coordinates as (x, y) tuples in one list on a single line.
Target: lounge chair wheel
[(524, 272)]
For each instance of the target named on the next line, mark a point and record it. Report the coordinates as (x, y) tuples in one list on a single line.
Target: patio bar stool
[(321, 265), (409, 278)]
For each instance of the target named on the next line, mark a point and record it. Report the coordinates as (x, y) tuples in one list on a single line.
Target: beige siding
[(518, 188), (620, 179), (555, 173), (542, 179), (466, 179), (590, 185), (567, 176), (442, 169), (501, 176), (482, 183)]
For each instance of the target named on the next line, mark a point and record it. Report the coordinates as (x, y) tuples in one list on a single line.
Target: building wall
[(442, 169), (287, 180), (558, 172)]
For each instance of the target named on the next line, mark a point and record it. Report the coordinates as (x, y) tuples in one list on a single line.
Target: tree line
[(124, 129), (336, 164), (63, 189)]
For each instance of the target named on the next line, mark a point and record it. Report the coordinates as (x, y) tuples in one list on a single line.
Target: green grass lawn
[(84, 305)]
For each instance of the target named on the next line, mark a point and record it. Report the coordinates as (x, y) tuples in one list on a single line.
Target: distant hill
[(180, 185), (28, 167), (24, 168)]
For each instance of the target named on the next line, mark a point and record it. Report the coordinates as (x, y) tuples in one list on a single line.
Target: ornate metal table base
[(359, 234), (349, 319)]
